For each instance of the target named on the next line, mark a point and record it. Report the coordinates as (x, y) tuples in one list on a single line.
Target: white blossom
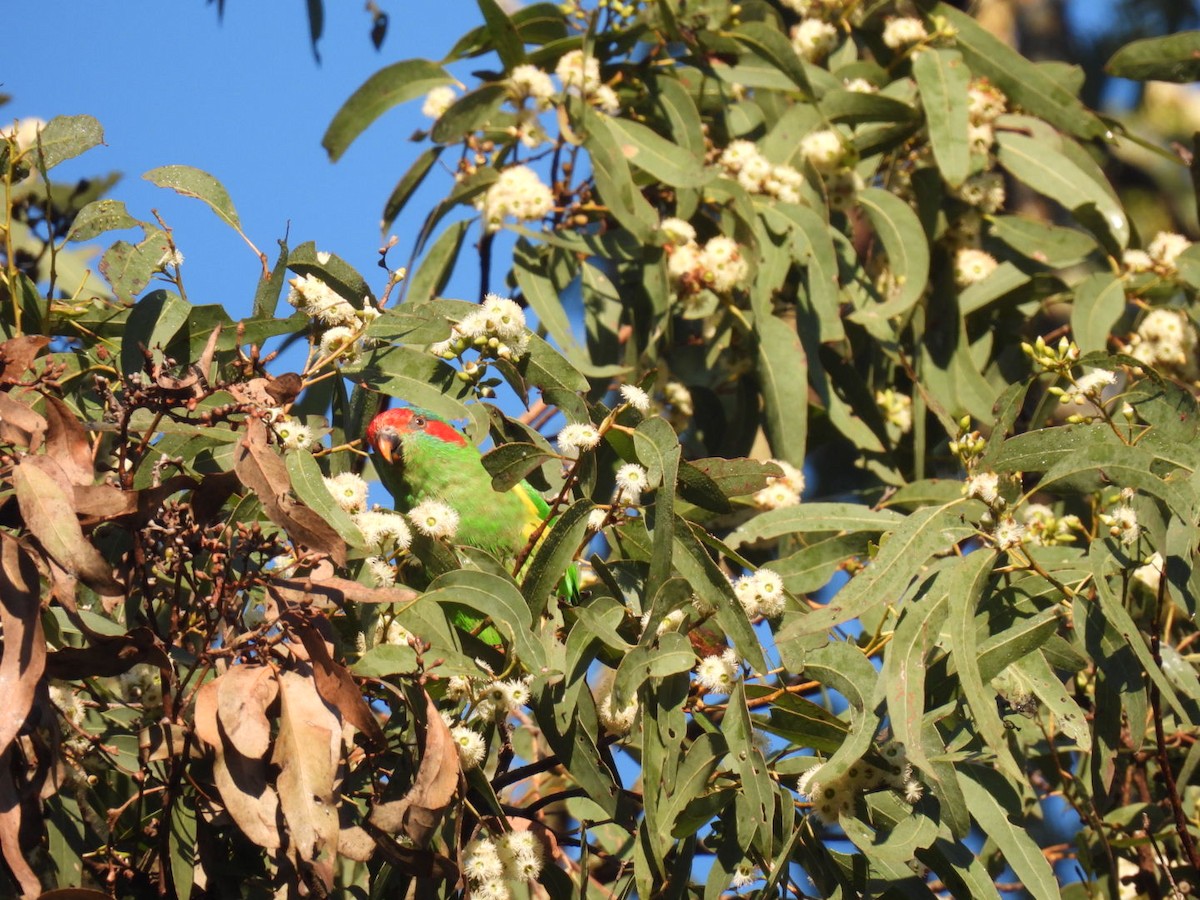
[(576, 436), (434, 519), (521, 853), (1150, 573), (349, 491), (972, 266), (471, 747), (722, 263), (902, 31), (616, 721), (292, 433), (824, 150), (983, 486), (678, 231), (518, 193), (1122, 523), (717, 674), (636, 397), (631, 481), (986, 102), (481, 861), (761, 594), (382, 571), (528, 81), (575, 70), (896, 409), (1166, 247), (1137, 261), (438, 100), (812, 39), (1009, 533), (381, 528)]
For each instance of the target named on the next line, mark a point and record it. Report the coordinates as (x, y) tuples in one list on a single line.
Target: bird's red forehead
[(411, 421)]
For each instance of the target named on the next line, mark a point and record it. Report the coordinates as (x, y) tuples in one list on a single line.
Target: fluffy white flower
[(683, 261), (737, 155), (518, 192), (437, 101), (902, 31), (605, 99), (576, 436), (384, 529), (678, 231), (744, 875), (69, 703), (382, 571), (597, 518), (984, 486), (636, 397), (761, 594), (503, 698), (842, 187), (1137, 261), (824, 150), (505, 318), (972, 266), (481, 861), (984, 190), (784, 183), (348, 490), (986, 102), (1166, 338), (859, 86), (575, 70), (981, 138), (1009, 533), (1089, 386), (631, 481), (722, 263), (142, 684), (717, 674), (434, 519), (1166, 247), (471, 747), (812, 39), (783, 490), (521, 853), (530, 81), (616, 721), (340, 337), (319, 301), (171, 258), (293, 434), (1122, 523)]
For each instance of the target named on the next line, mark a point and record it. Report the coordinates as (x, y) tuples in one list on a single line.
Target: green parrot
[(423, 457)]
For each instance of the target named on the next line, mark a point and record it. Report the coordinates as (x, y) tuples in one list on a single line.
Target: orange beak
[(387, 443)]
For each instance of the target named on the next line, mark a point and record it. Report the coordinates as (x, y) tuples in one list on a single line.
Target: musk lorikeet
[(423, 457)]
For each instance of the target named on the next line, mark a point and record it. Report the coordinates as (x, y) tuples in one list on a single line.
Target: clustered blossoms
[(1166, 339), (781, 490), (518, 193), (343, 326), (496, 330), (580, 74), (493, 866), (631, 481), (813, 39), (833, 157), (743, 161), (613, 720), (142, 684), (388, 630), (501, 699), (383, 530), (985, 192), (832, 797), (896, 409), (1123, 524), (718, 266), (437, 101), (292, 433), (761, 594), (1045, 529), (577, 436), (718, 673)]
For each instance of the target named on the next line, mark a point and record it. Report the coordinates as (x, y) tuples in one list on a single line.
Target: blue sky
[(244, 100)]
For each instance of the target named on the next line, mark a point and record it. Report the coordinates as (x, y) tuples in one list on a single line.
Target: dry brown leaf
[(12, 811), (307, 752), (24, 658), (100, 502), (263, 472), (17, 355), (243, 695), (20, 425), (67, 443), (250, 801), (204, 363), (204, 721), (419, 812), (334, 683), (355, 843), (336, 591), (284, 389), (44, 495)]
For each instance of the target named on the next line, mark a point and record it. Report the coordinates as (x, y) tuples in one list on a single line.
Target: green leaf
[(499, 600), (671, 653), (342, 277), (770, 43), (418, 377), (942, 79), (906, 246), (509, 464), (900, 560), (904, 668), (555, 555), (387, 659), (816, 517), (842, 667), (1052, 245), (783, 378), (614, 183), (747, 761), (183, 846), (1026, 85), (405, 187), (435, 269), (469, 113), (856, 107), (98, 217), (192, 182), (1099, 302), (65, 137), (152, 323), (998, 809), (388, 87), (1049, 171), (814, 250), (1004, 280), (692, 780), (1069, 718), (266, 295), (658, 157), (309, 485), (672, 100), (503, 33), (129, 267), (1175, 57)]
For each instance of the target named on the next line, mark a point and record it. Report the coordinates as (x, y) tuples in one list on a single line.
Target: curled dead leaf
[(335, 592), (262, 471), (284, 389), (19, 424), (15, 805), (17, 355), (24, 657), (250, 801), (204, 721), (67, 442), (418, 813), (307, 752), (107, 656), (45, 497), (243, 695)]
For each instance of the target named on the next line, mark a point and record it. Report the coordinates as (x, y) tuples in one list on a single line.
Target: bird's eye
[(419, 421)]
